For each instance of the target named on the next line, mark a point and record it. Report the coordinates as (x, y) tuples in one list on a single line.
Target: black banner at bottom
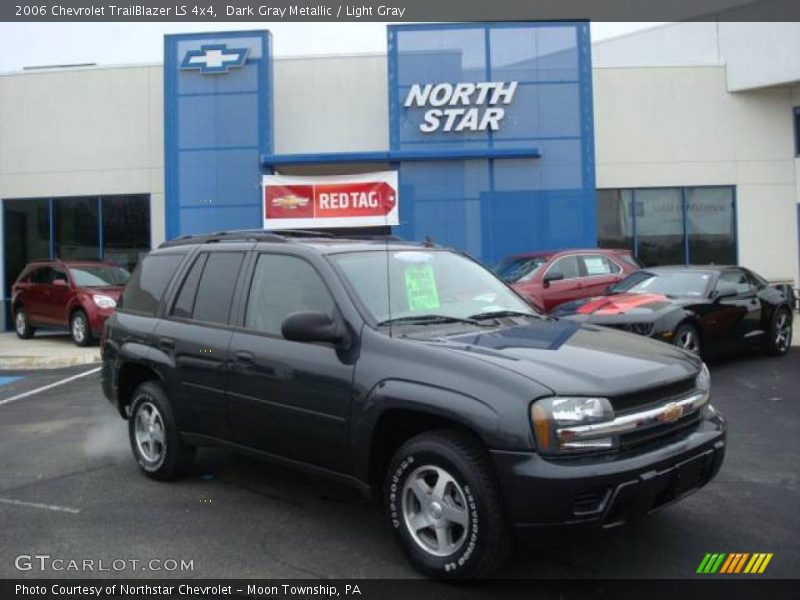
[(369, 589)]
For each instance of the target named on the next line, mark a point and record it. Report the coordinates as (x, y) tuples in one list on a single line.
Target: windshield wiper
[(429, 320), (496, 314)]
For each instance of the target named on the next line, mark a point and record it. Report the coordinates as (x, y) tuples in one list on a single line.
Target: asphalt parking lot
[(69, 488)]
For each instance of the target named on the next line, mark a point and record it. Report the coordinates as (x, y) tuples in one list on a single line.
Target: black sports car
[(694, 308)]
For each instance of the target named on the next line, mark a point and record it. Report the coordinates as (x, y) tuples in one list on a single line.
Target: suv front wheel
[(154, 436), (444, 504), (79, 328)]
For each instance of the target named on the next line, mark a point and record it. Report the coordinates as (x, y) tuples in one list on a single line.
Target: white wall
[(83, 132), (675, 44), (760, 54), (755, 55), (679, 126)]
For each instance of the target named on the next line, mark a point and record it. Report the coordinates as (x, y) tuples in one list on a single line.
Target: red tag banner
[(337, 201)]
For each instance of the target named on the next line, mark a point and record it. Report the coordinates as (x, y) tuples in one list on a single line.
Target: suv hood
[(574, 358)]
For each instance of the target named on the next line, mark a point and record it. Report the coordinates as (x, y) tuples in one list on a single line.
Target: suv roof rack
[(244, 235)]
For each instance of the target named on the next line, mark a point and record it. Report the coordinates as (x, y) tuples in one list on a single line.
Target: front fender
[(391, 394)]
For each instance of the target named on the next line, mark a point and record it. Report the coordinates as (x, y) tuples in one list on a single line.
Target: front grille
[(655, 395), (659, 435)]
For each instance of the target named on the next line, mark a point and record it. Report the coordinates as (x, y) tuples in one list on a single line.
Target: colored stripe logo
[(734, 563)]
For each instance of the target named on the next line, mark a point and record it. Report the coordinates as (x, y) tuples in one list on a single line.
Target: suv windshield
[(672, 284), (512, 270), (99, 276), (435, 286)]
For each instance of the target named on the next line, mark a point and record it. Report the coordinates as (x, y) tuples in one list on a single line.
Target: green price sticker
[(421, 287)]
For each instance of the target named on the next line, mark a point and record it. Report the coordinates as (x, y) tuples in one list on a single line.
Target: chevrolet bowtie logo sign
[(215, 58)]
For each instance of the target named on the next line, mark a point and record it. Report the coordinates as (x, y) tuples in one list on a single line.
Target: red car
[(547, 279), (55, 294)]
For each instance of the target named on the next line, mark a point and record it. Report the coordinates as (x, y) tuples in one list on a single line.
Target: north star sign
[(215, 58), (462, 106)]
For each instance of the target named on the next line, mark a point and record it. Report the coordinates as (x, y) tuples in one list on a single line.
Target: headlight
[(703, 381), (551, 414), (645, 329), (104, 301)]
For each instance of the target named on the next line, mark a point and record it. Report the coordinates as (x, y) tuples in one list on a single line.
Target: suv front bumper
[(608, 490)]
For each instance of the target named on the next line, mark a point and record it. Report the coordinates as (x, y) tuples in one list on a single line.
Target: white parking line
[(50, 386), (73, 511)]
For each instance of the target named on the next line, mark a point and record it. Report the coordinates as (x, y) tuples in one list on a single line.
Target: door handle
[(166, 343), (244, 357)]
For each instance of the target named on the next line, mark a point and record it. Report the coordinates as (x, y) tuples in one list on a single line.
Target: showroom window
[(112, 228), (665, 226)]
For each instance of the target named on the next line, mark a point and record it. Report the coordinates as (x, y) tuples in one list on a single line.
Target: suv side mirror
[(552, 277), (61, 282), (725, 293), (312, 326)]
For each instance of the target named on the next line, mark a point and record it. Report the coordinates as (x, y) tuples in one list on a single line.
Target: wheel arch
[(398, 410), (132, 374)]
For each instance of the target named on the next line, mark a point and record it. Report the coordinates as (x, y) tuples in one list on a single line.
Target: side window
[(282, 285), (59, 275), (184, 304), (148, 282), (39, 275), (597, 264), (757, 281), (736, 280), (568, 266), (215, 291)]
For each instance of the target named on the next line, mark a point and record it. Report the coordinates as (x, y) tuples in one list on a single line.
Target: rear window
[(148, 282)]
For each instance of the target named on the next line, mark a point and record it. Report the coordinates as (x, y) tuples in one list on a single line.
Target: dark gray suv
[(413, 373)]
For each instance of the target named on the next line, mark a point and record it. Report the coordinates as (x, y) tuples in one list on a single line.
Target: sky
[(38, 44)]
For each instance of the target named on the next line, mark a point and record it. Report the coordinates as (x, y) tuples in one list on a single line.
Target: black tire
[(486, 539), (173, 458), (22, 324), (79, 328), (779, 336), (687, 337)]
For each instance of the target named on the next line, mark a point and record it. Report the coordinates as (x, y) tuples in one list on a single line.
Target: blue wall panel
[(492, 207), (217, 126)]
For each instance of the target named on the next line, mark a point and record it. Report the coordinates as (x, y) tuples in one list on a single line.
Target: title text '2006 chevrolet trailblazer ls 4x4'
[(413, 373)]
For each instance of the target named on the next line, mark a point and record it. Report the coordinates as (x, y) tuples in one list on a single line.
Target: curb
[(9, 363)]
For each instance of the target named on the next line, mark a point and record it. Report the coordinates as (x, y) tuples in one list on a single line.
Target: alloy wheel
[(435, 510), (79, 328), (687, 340), (149, 432), (783, 332), (20, 323)]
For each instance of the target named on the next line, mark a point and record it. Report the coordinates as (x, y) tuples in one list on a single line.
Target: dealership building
[(679, 142)]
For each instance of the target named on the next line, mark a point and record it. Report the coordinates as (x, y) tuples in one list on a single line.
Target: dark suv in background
[(58, 294), (412, 373)]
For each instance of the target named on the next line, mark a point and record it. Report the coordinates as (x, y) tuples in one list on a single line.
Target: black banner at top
[(397, 10)]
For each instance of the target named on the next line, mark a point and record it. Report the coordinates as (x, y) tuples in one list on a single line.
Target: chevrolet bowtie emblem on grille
[(672, 412), (215, 58)]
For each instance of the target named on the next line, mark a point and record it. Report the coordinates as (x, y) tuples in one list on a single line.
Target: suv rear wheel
[(444, 504), (22, 324), (154, 436)]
